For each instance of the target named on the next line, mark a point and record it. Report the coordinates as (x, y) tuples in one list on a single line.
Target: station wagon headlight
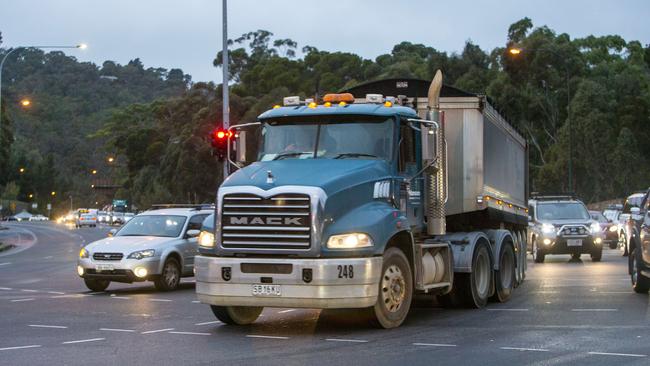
[(142, 254), (83, 253), (595, 227), (347, 241), (206, 239), (548, 228)]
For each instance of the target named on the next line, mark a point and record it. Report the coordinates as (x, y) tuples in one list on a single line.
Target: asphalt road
[(565, 313)]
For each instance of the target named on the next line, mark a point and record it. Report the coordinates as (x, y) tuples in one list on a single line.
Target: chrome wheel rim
[(534, 249), (393, 288), (171, 274)]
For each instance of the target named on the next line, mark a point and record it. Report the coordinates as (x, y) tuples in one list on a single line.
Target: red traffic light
[(222, 134)]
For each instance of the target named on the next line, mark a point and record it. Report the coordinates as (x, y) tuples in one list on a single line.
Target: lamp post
[(224, 67), (2, 63), (516, 51)]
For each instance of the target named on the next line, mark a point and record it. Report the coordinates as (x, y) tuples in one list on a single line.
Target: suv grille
[(279, 222), (570, 230), (108, 256)]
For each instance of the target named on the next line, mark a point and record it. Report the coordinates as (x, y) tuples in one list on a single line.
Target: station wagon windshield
[(153, 225), (562, 211), (334, 138)]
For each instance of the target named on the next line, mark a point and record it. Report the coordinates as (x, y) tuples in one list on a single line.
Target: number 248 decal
[(346, 271)]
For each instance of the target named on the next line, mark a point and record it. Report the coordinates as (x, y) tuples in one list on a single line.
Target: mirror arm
[(236, 127)]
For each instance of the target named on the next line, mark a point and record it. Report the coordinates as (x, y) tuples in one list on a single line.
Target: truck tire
[(395, 291), (640, 283), (97, 285), (538, 254), (504, 278), (597, 255), (170, 277), (237, 315), (473, 289)]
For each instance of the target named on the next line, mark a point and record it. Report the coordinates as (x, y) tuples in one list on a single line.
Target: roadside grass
[(4, 247)]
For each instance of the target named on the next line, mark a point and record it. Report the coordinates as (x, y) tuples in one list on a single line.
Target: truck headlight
[(83, 253), (206, 239), (595, 227), (142, 254), (352, 240), (548, 228)]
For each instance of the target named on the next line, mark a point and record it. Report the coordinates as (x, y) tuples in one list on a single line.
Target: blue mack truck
[(363, 200)]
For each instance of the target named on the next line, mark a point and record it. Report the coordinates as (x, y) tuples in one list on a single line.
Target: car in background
[(117, 218), (561, 224), (102, 217), (609, 228), (156, 245), (637, 237), (86, 219), (630, 214), (128, 216)]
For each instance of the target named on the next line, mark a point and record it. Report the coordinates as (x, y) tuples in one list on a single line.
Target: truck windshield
[(562, 211), (328, 138)]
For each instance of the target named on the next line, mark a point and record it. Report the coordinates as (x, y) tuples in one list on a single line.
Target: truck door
[(410, 196)]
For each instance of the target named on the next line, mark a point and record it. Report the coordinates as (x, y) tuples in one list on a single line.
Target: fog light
[(141, 272), (547, 241), (80, 270), (599, 240)]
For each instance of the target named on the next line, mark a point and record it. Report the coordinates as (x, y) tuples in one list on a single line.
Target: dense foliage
[(162, 145)]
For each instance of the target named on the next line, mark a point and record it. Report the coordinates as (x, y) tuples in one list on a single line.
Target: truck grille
[(108, 256), (279, 222)]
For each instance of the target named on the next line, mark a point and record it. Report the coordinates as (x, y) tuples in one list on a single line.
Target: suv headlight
[(595, 227), (548, 228), (142, 254), (613, 228), (83, 253), (352, 240), (206, 239)]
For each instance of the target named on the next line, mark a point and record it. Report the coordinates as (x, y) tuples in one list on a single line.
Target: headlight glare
[(595, 227), (206, 239), (83, 253), (347, 241), (142, 254), (548, 228), (613, 228)]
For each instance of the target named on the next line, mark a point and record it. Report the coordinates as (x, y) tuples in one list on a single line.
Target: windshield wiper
[(354, 155), (287, 154)]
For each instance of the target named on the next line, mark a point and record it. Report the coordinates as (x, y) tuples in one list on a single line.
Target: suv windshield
[(335, 137), (153, 225), (562, 211)]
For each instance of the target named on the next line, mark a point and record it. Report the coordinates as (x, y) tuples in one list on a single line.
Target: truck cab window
[(407, 160)]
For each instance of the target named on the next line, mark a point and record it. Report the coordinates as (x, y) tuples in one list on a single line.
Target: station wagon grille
[(279, 222), (108, 256)]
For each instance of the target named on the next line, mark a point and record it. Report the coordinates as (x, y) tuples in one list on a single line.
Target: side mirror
[(112, 232), (193, 233), (635, 210)]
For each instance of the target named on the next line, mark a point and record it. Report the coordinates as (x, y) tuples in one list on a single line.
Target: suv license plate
[(574, 242), (104, 267), (267, 290)]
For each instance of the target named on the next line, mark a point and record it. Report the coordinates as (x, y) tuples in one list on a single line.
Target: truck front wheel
[(237, 315), (395, 291)]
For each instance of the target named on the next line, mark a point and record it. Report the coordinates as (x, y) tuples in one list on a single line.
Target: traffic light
[(220, 138)]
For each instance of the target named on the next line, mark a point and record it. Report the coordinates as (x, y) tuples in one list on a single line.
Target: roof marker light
[(291, 101), (343, 97), (327, 104), (374, 98), (312, 105), (276, 106), (388, 104), (342, 104)]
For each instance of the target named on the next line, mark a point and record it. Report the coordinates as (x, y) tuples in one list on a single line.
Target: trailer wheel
[(237, 315), (504, 278), (395, 291), (474, 288)]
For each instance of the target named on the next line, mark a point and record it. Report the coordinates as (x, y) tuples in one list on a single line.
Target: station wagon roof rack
[(197, 207), (553, 196)]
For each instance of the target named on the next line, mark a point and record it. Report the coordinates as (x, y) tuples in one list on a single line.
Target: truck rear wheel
[(395, 291), (504, 278), (237, 315), (473, 289)]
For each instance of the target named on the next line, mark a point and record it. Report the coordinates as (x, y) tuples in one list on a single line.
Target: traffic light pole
[(224, 67)]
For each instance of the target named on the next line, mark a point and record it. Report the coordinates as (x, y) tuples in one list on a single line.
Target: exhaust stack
[(436, 185)]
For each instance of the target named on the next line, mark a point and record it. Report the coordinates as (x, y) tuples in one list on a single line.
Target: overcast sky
[(186, 34)]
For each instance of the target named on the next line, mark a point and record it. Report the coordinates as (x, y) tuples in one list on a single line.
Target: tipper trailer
[(394, 188)]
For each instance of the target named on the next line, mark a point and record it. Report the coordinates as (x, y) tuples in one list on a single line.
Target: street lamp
[(21, 170), (516, 51), (52, 193), (110, 159), (94, 171), (25, 103)]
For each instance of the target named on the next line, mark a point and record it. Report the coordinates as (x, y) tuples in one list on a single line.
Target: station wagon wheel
[(170, 277)]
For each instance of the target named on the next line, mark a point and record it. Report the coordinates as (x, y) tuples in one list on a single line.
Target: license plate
[(104, 267), (267, 290), (574, 242)]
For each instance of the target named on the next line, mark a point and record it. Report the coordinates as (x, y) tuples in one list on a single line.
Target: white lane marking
[(48, 257), (616, 354), (206, 323), (116, 330), (56, 292), (581, 310), (263, 336), (20, 347), (346, 340), (5, 264), (524, 349), (507, 309), (190, 333), (28, 290), (120, 297), (160, 300), (545, 292), (157, 331), (196, 302), (47, 326), (96, 293), (614, 292), (6, 288), (286, 311), (84, 340), (21, 300), (435, 344), (68, 296)]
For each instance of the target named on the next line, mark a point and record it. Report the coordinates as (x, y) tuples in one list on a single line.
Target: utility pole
[(224, 67)]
